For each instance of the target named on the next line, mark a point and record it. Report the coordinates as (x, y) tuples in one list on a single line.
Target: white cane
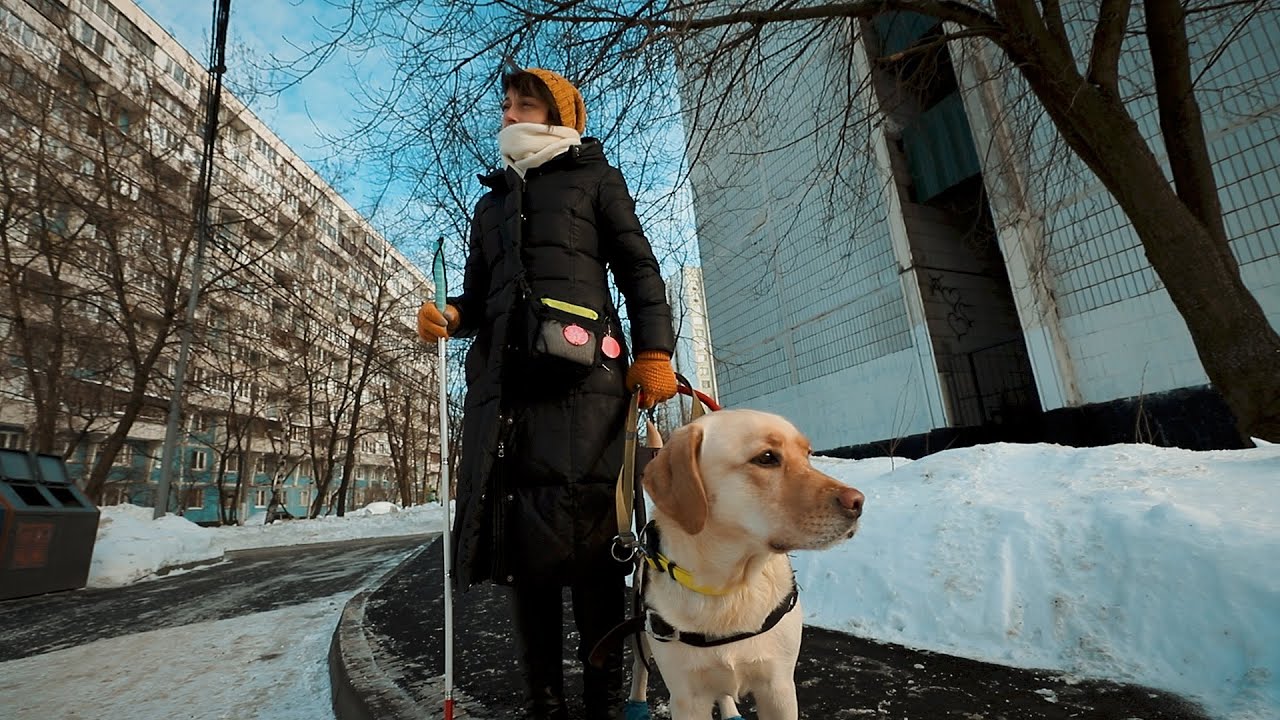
[(446, 500)]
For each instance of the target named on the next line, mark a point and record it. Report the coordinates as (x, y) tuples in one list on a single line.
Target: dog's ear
[(674, 480)]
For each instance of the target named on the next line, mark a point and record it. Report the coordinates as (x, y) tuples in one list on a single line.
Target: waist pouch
[(562, 331)]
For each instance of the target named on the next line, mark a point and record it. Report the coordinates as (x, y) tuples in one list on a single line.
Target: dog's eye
[(768, 458)]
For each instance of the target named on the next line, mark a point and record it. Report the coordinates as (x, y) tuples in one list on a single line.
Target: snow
[(271, 665), (131, 546), (1128, 562), (1134, 563)]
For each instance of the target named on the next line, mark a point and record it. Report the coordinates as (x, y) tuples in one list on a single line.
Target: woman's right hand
[(432, 325)]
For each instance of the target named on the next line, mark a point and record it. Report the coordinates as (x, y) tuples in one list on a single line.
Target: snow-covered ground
[(131, 546), (1128, 562)]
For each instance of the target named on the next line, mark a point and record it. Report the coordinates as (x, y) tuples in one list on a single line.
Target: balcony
[(939, 149)]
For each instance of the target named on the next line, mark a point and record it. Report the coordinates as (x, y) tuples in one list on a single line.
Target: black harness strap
[(662, 631), (611, 639)]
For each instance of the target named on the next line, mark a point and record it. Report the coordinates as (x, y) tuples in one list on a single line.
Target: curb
[(363, 689)]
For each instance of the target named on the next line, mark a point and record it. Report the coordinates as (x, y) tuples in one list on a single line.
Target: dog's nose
[(851, 500)]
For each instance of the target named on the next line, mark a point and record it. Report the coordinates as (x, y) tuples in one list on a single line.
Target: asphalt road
[(839, 676), (246, 582)]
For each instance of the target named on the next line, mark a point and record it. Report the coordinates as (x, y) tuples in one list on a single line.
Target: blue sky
[(321, 104), (304, 114)]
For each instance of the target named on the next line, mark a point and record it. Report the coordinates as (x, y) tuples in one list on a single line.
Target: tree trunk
[(1237, 346)]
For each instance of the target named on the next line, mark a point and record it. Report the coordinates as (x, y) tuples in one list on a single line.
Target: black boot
[(536, 611), (545, 703), (602, 693), (598, 607)]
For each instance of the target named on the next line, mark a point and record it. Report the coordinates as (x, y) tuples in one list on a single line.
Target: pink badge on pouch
[(576, 335), (610, 347)]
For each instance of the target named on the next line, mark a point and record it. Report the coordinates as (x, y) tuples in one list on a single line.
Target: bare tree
[(408, 420), (1083, 65), (82, 195), (97, 230)]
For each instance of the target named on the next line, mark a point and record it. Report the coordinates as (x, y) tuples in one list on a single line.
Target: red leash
[(684, 387)]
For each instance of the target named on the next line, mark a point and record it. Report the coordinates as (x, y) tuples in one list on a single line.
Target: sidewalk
[(387, 663)]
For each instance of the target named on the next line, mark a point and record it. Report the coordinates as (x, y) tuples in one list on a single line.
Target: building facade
[(927, 256), (305, 369), (694, 357)]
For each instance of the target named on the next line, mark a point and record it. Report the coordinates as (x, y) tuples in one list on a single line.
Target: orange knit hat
[(573, 112)]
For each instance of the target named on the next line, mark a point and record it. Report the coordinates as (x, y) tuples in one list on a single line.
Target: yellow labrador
[(733, 493)]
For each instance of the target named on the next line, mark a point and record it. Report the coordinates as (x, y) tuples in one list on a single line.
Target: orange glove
[(653, 373), (432, 325)]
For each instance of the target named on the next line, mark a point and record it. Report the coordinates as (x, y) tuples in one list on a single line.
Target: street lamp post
[(213, 101)]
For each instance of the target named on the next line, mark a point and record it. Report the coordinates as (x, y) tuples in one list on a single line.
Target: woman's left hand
[(653, 375)]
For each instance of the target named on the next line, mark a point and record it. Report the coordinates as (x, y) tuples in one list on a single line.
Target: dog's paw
[(637, 710)]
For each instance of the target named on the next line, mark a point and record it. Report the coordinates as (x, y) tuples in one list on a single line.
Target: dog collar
[(663, 564)]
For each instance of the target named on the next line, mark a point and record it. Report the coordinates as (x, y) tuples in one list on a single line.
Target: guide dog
[(733, 493)]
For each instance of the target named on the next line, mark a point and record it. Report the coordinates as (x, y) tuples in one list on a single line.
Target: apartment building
[(305, 369), (874, 271)]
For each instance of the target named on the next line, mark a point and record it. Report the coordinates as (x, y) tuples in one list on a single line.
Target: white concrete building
[(881, 280), (694, 357)]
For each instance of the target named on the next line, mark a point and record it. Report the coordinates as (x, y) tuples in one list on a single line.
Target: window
[(171, 104), (175, 70), (128, 188), (54, 10), (133, 35), (265, 150), (18, 29), (199, 460), (233, 463), (194, 498), (124, 458), (18, 78), (162, 137), (11, 440), (96, 258), (91, 38), (304, 498), (260, 497), (104, 10)]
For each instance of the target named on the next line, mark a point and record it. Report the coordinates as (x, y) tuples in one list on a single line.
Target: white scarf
[(528, 145)]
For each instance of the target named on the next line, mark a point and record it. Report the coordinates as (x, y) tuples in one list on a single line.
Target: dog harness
[(649, 620), (663, 631)]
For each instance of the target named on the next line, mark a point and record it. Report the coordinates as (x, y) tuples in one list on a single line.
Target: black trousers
[(599, 605)]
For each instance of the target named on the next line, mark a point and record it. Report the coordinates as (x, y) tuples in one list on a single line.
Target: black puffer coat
[(541, 448)]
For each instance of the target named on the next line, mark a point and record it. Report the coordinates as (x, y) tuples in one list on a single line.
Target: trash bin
[(47, 526)]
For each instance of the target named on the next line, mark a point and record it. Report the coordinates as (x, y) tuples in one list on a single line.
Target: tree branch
[(1217, 7), (1108, 38), (1057, 28), (931, 45), (960, 13), (1034, 48), (1180, 123)]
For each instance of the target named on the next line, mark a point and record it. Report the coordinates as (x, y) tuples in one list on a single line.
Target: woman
[(542, 437)]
